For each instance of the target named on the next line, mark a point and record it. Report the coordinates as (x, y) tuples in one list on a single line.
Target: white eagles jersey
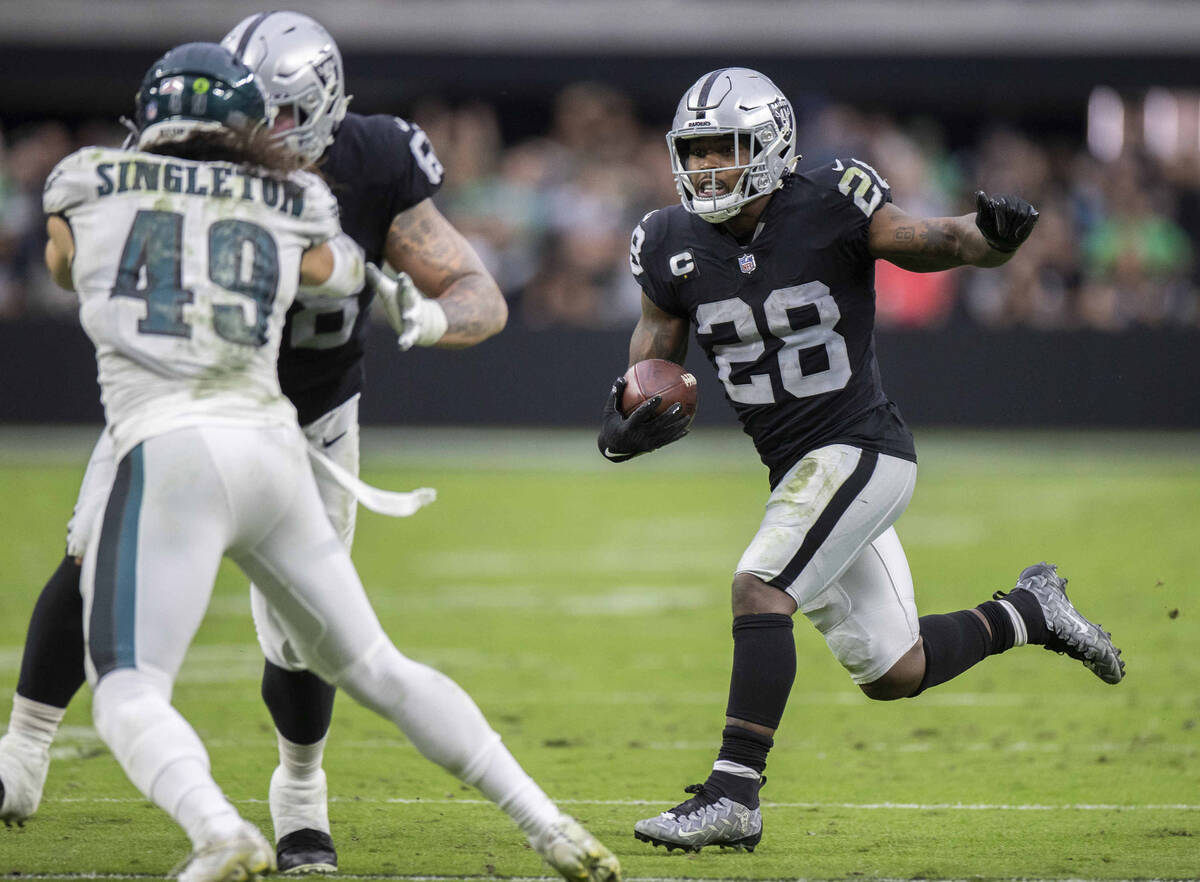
[(185, 271)]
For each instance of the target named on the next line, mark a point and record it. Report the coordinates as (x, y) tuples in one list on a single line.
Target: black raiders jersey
[(788, 319), (377, 166)]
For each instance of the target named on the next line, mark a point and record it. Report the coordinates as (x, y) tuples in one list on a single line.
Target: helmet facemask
[(305, 119), (301, 68)]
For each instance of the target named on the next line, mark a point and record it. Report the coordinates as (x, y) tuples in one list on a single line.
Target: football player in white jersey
[(384, 172), (186, 254)]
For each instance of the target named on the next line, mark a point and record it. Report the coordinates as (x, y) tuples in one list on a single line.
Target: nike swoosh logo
[(329, 442), (837, 165)]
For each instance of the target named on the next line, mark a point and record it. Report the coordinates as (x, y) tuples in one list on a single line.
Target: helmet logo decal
[(781, 112), (326, 70), (200, 85), (171, 86)]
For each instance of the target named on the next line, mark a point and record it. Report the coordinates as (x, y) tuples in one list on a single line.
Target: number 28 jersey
[(184, 272), (788, 319)]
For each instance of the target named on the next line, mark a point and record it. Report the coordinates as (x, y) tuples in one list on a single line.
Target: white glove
[(419, 320)]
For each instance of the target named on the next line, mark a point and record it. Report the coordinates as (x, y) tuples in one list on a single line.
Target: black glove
[(1005, 221), (644, 430)]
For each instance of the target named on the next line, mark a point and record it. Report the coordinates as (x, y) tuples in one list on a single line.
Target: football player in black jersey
[(775, 271), (383, 171)]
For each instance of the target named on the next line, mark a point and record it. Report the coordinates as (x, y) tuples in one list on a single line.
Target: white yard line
[(547, 879), (871, 806)]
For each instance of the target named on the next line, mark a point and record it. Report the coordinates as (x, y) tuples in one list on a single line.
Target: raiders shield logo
[(746, 263), (781, 112)]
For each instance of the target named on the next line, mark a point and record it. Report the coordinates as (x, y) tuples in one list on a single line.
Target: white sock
[(162, 755), (300, 761), (298, 795), (35, 721), (502, 780), (738, 769), (447, 727), (187, 792), (1020, 632)]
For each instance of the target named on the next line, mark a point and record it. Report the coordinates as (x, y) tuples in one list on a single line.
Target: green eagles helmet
[(197, 87)]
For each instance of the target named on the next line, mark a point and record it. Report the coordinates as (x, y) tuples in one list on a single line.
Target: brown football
[(657, 376)]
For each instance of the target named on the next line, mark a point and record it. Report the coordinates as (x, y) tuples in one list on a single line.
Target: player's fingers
[(645, 411)]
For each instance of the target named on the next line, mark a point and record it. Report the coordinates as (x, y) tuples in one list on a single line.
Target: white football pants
[(827, 540), (180, 501)]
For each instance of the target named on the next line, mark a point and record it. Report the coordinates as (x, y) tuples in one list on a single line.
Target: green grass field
[(585, 607)]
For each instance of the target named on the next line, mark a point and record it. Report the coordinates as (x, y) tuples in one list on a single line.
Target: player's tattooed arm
[(442, 264), (932, 244), (658, 335)]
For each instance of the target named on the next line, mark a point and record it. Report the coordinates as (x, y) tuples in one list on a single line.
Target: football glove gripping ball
[(419, 320), (1005, 221), (622, 438)]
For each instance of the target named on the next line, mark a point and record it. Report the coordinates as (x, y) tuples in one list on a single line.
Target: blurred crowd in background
[(551, 215)]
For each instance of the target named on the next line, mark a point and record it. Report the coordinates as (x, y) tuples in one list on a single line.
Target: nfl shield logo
[(746, 263)]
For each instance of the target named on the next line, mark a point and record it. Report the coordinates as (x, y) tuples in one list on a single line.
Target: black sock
[(52, 665), (1031, 614), (953, 642), (300, 702), (764, 667), (737, 788), (740, 745), (1003, 634)]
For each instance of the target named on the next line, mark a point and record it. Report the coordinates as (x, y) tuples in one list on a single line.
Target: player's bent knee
[(901, 680), (753, 596), (886, 689)]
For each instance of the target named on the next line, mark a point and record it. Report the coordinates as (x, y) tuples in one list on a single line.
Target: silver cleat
[(1068, 632), (705, 819)]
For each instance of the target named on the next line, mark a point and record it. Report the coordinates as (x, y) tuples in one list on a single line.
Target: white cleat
[(23, 768), (575, 853), (240, 857)]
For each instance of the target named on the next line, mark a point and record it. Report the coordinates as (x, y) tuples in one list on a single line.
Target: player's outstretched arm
[(987, 238), (442, 264), (658, 335), (333, 268)]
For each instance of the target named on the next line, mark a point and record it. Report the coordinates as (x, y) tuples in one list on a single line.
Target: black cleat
[(306, 851), (1067, 631)]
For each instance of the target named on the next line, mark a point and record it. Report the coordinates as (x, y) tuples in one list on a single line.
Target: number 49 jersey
[(788, 319), (184, 272)]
